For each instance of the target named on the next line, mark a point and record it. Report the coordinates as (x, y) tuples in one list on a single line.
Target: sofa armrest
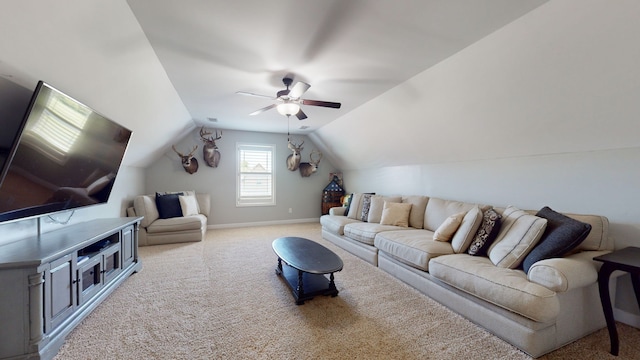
[(131, 211), (339, 210), (204, 203), (566, 273), (145, 205)]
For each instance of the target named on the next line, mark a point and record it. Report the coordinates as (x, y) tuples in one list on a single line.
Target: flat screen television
[(66, 156), (14, 99)]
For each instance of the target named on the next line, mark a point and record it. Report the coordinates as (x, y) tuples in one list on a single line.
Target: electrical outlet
[(290, 211)]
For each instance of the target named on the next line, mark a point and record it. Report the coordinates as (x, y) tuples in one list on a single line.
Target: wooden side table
[(627, 259)]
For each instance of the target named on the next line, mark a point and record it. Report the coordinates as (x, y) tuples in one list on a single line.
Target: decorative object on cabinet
[(332, 195)]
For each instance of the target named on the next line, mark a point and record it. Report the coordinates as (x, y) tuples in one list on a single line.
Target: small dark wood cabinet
[(50, 282)]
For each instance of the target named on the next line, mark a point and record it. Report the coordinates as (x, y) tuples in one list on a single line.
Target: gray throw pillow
[(562, 235)]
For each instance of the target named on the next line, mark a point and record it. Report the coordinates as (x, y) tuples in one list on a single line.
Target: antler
[(204, 133), (207, 133), (311, 157), (176, 150), (183, 155), (294, 147)]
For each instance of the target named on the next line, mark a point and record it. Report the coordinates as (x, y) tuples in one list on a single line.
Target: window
[(256, 175)]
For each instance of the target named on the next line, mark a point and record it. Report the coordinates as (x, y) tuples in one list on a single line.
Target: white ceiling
[(349, 51)]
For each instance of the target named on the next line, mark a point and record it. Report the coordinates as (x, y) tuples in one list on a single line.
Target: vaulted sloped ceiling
[(163, 67), (349, 51)]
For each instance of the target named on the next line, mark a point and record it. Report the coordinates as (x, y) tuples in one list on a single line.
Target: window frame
[(247, 201)]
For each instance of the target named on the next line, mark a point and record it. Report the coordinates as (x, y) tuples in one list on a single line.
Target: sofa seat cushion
[(413, 247), (507, 288), (194, 222), (366, 232), (335, 223)]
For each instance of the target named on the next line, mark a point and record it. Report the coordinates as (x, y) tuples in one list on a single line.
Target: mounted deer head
[(306, 169), (210, 151), (189, 163), (293, 160)]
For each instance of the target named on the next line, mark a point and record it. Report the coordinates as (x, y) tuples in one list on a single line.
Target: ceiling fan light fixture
[(288, 108)]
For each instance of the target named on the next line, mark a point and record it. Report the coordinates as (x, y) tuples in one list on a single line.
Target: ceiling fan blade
[(257, 95), (328, 104), (259, 111), (301, 115), (298, 89)]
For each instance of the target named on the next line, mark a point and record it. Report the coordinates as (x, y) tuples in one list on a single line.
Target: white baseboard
[(626, 317), (263, 223)]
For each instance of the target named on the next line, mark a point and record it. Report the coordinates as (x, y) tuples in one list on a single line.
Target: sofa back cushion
[(204, 203), (418, 207), (598, 238), (377, 205), (438, 210)]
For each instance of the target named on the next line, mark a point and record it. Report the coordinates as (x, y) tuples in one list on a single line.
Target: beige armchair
[(156, 231)]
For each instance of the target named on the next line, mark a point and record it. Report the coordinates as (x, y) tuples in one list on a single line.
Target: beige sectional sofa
[(154, 230), (554, 303)]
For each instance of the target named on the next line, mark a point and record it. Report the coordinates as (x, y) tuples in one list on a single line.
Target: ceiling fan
[(288, 101)]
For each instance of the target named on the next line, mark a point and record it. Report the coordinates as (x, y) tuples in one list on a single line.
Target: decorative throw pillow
[(562, 235), (486, 233), (519, 234), (366, 204), (445, 231), (395, 214), (347, 203), (466, 232), (189, 205), (377, 205), (355, 206), (168, 205)]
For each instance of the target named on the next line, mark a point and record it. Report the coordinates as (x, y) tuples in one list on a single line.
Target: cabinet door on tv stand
[(60, 291), (128, 246), (111, 262), (89, 278)]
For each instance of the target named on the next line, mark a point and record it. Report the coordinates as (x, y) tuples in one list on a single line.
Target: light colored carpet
[(221, 299)]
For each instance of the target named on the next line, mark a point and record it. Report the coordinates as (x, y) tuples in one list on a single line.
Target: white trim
[(263, 223)]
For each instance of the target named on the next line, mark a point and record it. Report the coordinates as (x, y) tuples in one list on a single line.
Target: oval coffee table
[(305, 264)]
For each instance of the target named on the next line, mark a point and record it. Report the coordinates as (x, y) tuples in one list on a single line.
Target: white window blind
[(256, 175)]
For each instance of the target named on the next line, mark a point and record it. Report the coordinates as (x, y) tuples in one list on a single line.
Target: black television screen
[(14, 100), (67, 156)]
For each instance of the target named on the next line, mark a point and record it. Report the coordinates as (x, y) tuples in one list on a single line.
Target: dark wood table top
[(628, 257), (306, 255)]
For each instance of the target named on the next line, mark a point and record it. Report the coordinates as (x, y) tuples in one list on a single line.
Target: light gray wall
[(301, 194)]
